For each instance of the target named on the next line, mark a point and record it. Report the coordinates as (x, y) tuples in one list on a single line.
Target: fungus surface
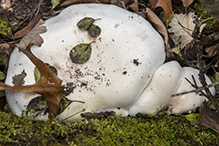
[(119, 68)]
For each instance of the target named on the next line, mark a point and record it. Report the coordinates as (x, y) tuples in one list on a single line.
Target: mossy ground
[(166, 130)]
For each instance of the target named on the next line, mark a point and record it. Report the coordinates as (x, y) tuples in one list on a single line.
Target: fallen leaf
[(182, 27), (80, 53), (216, 26), (187, 3), (2, 75), (85, 23), (33, 36), (119, 3), (39, 104), (209, 118), (166, 5), (49, 85), (158, 24), (64, 103), (212, 51), (37, 74), (181, 30), (162, 111), (5, 29), (193, 119), (134, 6), (94, 31), (170, 53), (209, 103), (27, 29)]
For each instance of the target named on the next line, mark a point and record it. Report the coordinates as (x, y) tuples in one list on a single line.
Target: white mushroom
[(121, 74), (169, 79)]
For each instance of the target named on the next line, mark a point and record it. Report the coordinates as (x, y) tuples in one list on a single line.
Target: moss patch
[(167, 130), (202, 12)]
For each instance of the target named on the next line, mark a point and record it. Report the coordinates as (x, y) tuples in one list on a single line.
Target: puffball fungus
[(123, 71)]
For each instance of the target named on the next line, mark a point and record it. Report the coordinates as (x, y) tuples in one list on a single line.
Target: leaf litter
[(49, 85), (185, 2)]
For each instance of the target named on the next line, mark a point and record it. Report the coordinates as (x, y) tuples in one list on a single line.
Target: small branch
[(197, 89), (202, 76)]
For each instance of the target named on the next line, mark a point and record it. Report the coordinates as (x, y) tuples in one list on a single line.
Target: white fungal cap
[(188, 102), (124, 57), (169, 79), (158, 93)]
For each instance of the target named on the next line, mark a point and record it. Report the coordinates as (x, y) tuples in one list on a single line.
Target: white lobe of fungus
[(125, 68)]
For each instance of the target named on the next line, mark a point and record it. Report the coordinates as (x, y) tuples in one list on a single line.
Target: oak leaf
[(21, 33), (49, 85), (33, 36)]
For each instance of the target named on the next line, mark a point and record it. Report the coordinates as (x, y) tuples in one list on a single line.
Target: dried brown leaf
[(209, 118), (166, 5), (27, 29), (186, 3), (134, 6), (182, 27), (158, 24), (49, 85), (33, 36), (212, 51), (216, 26), (169, 54)]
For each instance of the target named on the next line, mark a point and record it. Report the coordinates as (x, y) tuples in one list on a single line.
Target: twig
[(37, 11), (202, 77), (197, 90)]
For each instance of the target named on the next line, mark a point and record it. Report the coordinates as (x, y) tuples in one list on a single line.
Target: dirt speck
[(124, 73), (136, 62)]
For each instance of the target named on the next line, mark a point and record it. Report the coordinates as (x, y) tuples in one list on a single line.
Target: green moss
[(202, 12), (167, 130)]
